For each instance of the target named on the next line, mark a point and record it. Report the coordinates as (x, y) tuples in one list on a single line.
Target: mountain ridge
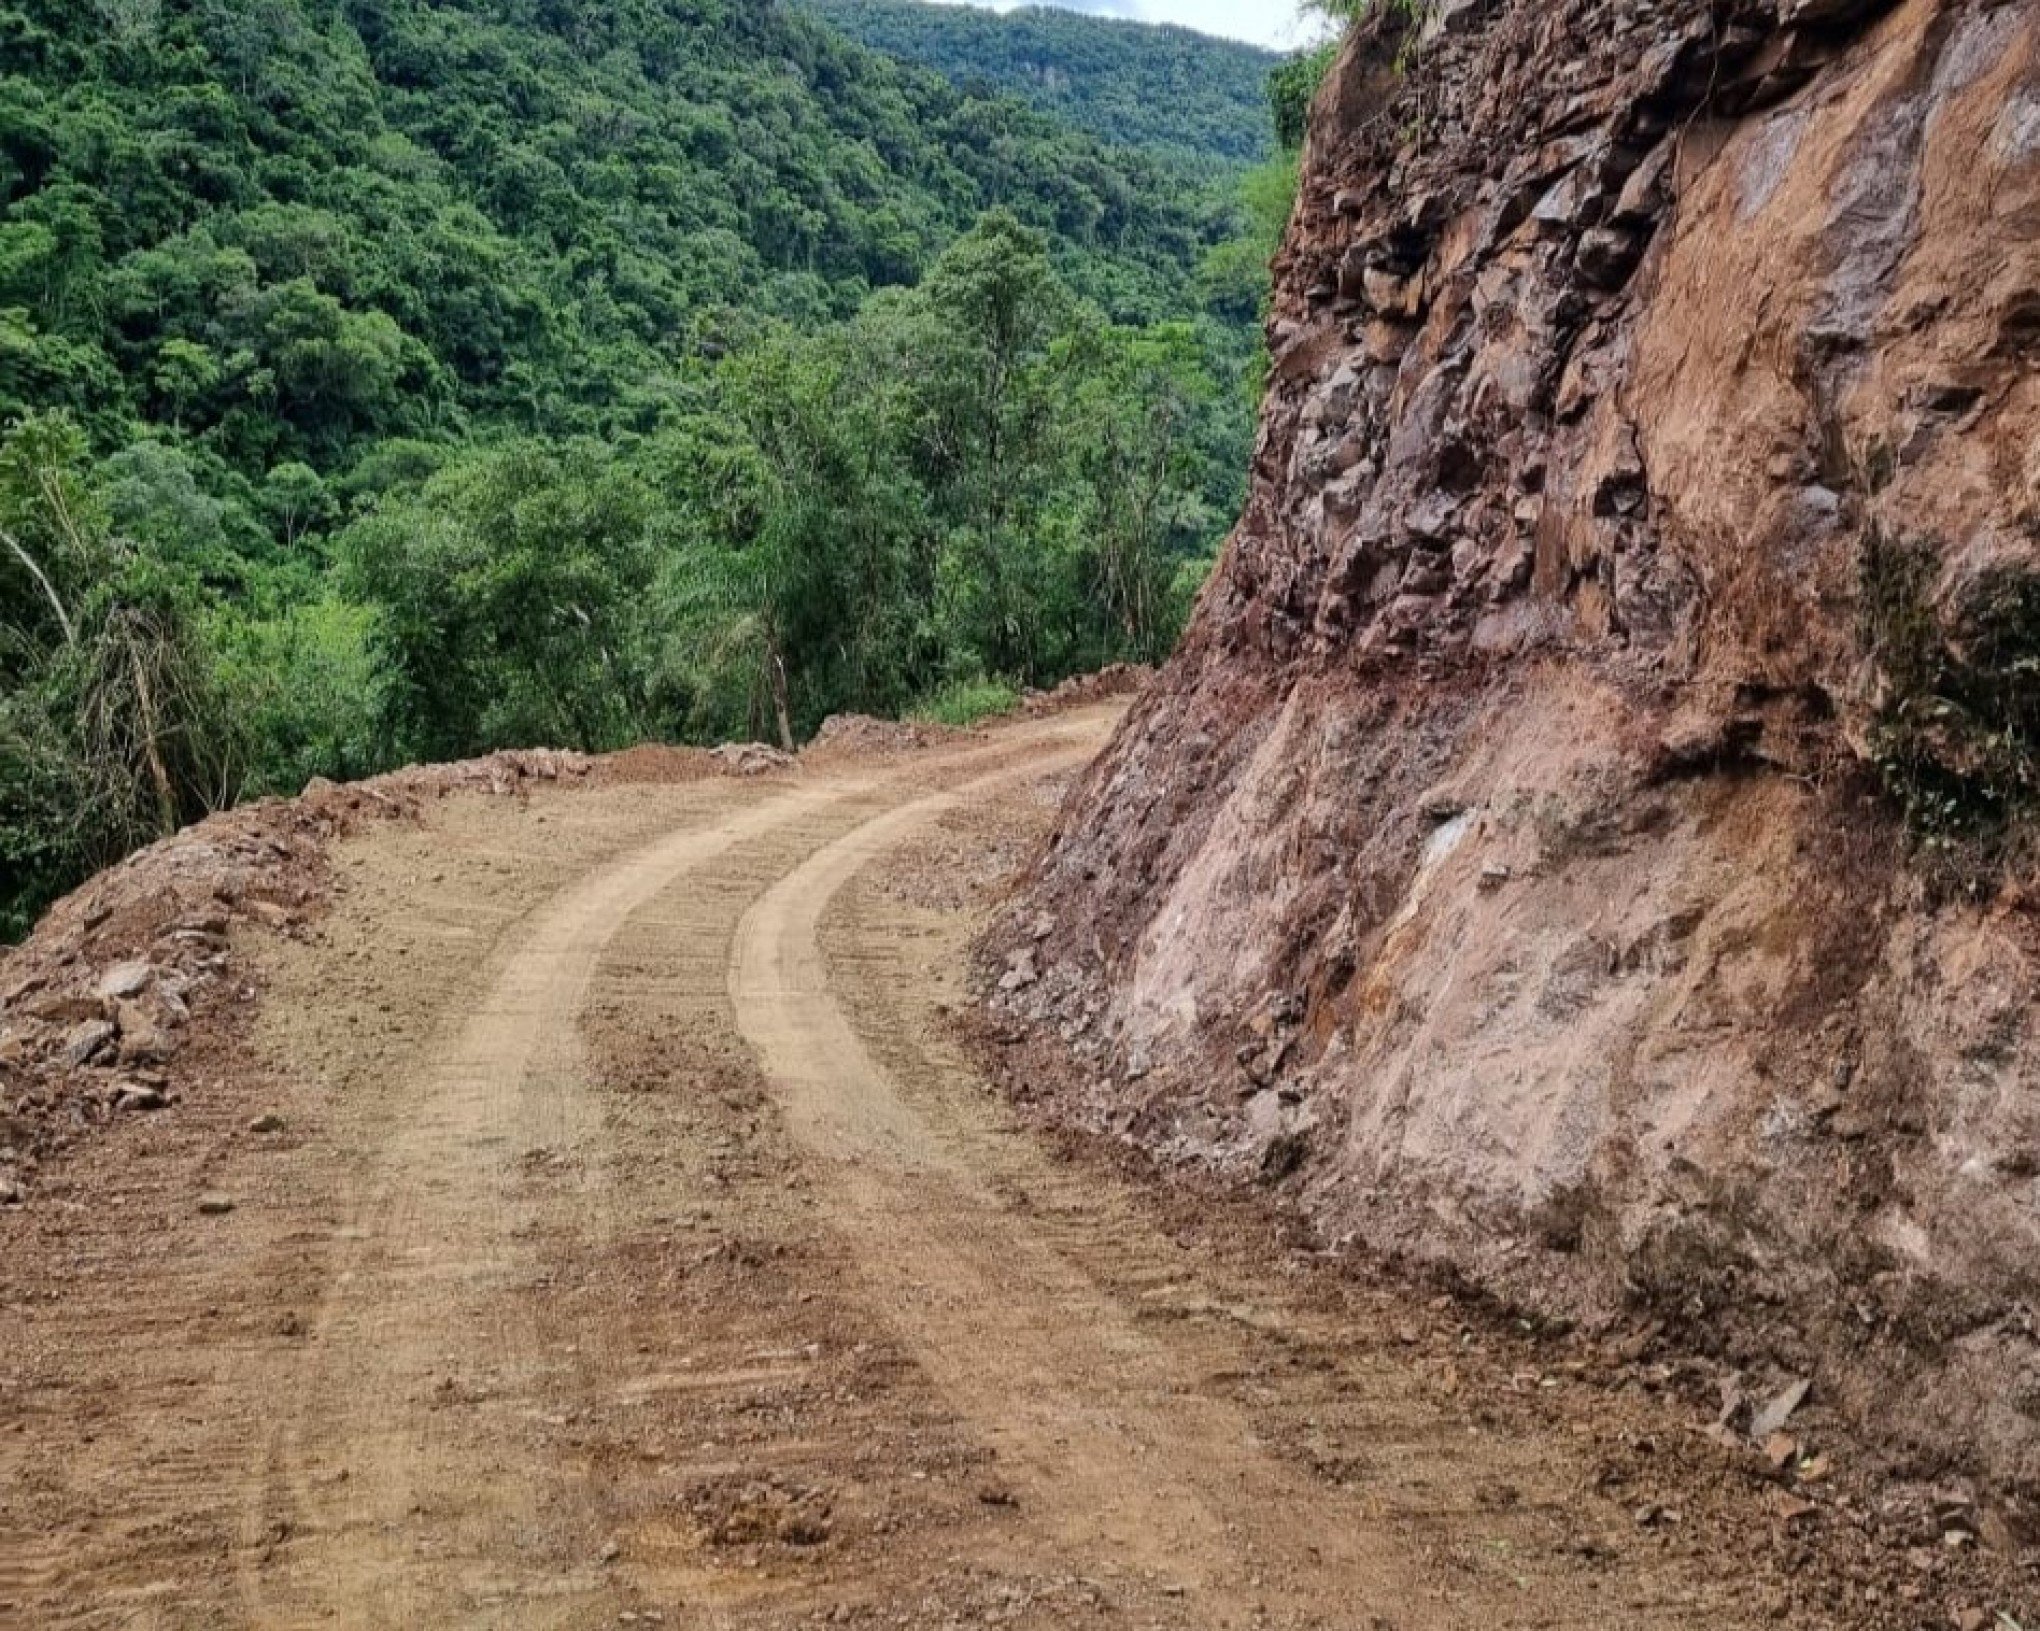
[(1159, 86)]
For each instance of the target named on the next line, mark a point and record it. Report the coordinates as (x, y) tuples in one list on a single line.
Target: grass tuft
[(965, 702)]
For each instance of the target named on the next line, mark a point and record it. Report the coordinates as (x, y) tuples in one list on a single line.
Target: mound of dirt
[(861, 734), (655, 764), (1116, 680), (98, 1005), (752, 759), (1503, 871)]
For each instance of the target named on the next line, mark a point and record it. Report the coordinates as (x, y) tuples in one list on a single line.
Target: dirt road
[(618, 1235)]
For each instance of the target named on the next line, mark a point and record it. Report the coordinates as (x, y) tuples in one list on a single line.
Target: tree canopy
[(393, 379), (1190, 96)]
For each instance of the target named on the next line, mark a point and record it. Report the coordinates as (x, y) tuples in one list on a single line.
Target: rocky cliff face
[(1514, 863)]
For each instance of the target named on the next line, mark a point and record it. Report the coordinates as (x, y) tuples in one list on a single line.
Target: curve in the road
[(397, 1513)]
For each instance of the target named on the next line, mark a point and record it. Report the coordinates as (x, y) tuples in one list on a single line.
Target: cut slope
[(1505, 864)]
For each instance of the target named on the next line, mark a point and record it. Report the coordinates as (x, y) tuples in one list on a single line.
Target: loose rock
[(88, 1041), (125, 980), (1779, 1410)]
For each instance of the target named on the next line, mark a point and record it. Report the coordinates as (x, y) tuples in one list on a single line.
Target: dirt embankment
[(129, 986), (1508, 868)]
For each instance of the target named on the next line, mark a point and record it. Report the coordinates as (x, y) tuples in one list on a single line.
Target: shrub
[(1957, 732), (965, 702)]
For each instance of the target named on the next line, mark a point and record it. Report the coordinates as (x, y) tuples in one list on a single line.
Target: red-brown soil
[(593, 1217)]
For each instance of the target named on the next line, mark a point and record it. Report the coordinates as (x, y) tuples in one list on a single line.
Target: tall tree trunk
[(775, 675), (48, 589), (159, 774)]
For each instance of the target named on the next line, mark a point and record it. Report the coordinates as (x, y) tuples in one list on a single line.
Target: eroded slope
[(1511, 862)]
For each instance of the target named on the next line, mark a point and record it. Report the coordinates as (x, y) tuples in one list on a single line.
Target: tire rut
[(428, 1356)]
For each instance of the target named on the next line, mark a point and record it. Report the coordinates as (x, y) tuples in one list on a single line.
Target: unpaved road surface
[(620, 1235)]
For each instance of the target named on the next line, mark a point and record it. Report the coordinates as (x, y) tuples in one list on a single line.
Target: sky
[(1265, 22)]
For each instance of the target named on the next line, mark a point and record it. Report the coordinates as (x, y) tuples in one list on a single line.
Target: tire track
[(396, 1480), (1108, 1420)]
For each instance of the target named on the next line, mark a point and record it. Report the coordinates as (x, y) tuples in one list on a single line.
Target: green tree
[(798, 559), (508, 594), (989, 418), (296, 501), (185, 377), (1293, 87), (327, 370), (1139, 512), (111, 728), (307, 688)]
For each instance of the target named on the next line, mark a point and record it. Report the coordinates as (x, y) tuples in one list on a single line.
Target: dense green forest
[(397, 379), (1171, 90)]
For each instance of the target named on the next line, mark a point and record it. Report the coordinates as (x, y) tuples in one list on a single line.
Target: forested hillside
[(548, 203), (1189, 95), (384, 379)]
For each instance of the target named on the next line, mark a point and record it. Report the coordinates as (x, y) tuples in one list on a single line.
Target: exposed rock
[(124, 980), (68, 1007), (1610, 337), (752, 758), (272, 915), (1779, 1410), (145, 1038), (1607, 255), (1021, 971), (88, 1041)]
